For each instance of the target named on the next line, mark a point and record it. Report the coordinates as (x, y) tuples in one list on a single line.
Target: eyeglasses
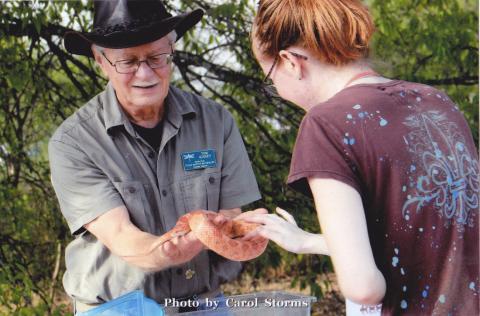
[(268, 86), (129, 66)]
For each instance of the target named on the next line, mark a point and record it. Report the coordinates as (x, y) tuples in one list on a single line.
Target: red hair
[(337, 31)]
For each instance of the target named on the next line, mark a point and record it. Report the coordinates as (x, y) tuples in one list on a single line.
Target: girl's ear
[(293, 65)]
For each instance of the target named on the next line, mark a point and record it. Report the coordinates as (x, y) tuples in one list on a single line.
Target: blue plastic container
[(132, 304)]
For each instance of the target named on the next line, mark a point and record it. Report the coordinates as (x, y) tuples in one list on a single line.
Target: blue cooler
[(132, 304)]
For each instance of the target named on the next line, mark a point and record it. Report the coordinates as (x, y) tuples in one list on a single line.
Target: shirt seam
[(79, 120), (245, 199), (318, 170), (237, 194), (304, 174), (71, 145)]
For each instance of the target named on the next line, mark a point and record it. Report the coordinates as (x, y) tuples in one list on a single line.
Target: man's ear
[(99, 60), (292, 64)]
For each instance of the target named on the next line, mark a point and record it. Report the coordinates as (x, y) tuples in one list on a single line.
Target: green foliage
[(433, 42)]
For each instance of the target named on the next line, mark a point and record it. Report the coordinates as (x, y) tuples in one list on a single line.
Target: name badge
[(199, 159)]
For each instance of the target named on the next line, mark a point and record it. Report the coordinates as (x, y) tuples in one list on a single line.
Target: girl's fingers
[(251, 235), (260, 211), (288, 217), (258, 232), (251, 219), (259, 219), (262, 231), (251, 213)]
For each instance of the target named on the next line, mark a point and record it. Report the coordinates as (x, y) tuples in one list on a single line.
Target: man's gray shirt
[(99, 162)]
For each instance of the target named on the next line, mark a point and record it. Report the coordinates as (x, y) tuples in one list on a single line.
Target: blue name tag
[(199, 159)]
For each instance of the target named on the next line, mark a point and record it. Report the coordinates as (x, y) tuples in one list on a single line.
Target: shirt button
[(131, 190), (189, 274), (164, 192), (211, 180), (151, 155)]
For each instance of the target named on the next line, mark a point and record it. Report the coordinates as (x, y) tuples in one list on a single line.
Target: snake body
[(220, 239)]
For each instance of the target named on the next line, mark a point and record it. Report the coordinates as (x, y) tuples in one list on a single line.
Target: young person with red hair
[(391, 165)]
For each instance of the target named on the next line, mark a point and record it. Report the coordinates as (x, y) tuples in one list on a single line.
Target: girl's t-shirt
[(408, 151)]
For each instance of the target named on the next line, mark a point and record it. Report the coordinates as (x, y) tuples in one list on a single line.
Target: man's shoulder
[(82, 118)]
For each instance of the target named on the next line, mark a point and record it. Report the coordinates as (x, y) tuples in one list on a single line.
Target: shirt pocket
[(135, 199), (201, 192)]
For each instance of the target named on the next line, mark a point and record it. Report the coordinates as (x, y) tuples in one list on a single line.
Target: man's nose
[(144, 70)]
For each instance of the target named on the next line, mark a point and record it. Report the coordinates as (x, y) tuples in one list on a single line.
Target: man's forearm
[(152, 253), (146, 251), (141, 249), (153, 261)]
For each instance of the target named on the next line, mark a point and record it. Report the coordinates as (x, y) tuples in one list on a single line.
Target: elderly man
[(139, 155)]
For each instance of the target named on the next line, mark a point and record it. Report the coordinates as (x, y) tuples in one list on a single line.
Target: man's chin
[(146, 105), (143, 101)]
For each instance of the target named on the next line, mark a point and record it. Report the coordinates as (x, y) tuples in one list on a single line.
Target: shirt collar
[(113, 113), (178, 105)]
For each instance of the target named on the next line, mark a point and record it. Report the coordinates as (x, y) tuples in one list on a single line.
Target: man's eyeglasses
[(128, 66), (268, 86)]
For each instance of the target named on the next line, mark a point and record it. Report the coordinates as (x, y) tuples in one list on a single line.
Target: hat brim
[(80, 43)]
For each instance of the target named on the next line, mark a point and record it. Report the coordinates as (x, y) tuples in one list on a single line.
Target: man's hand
[(180, 249), (115, 230)]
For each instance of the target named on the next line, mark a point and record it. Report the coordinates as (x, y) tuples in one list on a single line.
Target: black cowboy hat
[(128, 23)]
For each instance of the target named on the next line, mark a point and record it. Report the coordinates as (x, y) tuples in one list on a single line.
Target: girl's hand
[(283, 231)]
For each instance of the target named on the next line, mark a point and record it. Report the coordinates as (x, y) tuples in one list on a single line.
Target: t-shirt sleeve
[(238, 185), (322, 150), (84, 192)]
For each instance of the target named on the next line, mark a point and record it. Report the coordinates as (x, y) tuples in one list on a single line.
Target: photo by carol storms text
[(235, 303)]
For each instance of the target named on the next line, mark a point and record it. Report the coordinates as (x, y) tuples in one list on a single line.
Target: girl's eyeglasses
[(268, 86)]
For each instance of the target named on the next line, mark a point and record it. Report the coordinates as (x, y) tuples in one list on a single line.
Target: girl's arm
[(343, 223)]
